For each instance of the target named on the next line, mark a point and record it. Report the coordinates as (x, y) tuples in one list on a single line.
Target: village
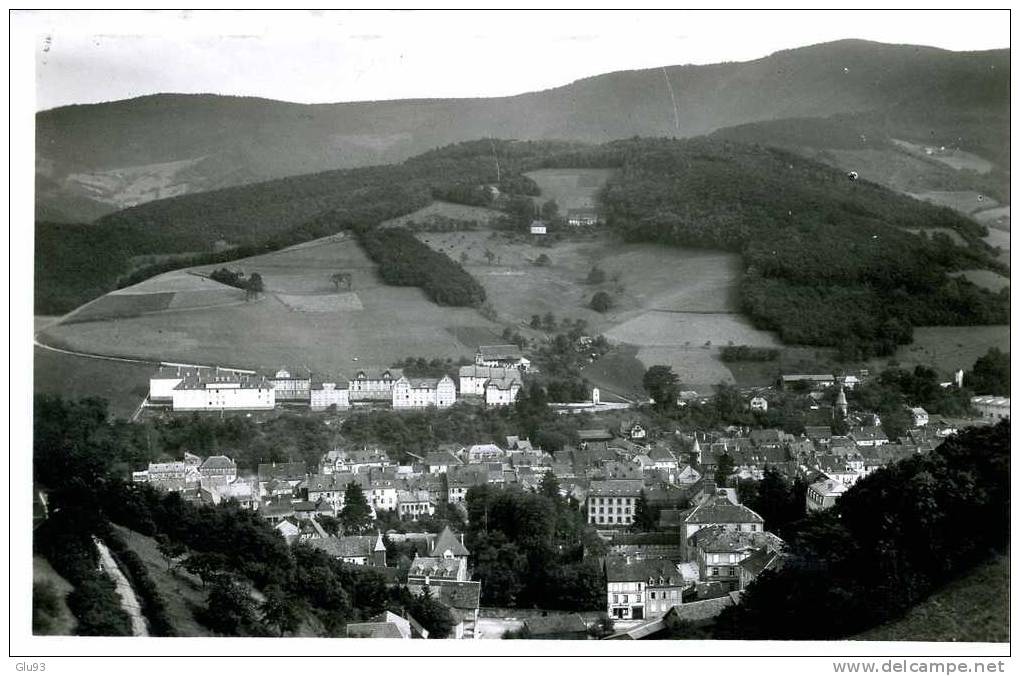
[(682, 545)]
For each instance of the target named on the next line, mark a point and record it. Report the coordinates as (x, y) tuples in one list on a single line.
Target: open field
[(440, 210), (997, 220), (667, 299), (175, 290), (571, 188), (618, 375), (792, 359), (42, 572), (951, 157), (964, 201), (308, 324), (122, 384), (947, 348), (992, 281), (997, 217), (974, 608)]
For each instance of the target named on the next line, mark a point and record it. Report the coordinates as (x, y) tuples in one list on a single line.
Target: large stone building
[(611, 503)]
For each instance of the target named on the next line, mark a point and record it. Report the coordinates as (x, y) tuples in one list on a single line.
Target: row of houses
[(496, 376)]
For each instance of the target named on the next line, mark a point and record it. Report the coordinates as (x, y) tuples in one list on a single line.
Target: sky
[(324, 57)]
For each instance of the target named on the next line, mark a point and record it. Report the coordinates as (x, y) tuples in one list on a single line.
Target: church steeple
[(841, 405), (379, 551)]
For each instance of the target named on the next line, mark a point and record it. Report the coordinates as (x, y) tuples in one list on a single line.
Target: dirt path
[(128, 600)]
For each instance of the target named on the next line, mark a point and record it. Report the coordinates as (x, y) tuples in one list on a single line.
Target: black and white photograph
[(511, 333)]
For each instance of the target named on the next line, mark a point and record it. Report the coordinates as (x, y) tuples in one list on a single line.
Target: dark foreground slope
[(173, 144)]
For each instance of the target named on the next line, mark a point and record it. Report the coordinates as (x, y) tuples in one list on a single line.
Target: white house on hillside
[(325, 393), (424, 392)]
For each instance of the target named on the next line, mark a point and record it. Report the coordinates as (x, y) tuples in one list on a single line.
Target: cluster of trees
[(420, 367), (405, 261), (534, 549), (892, 539), (734, 353), (778, 500), (251, 284), (282, 438), (862, 292)]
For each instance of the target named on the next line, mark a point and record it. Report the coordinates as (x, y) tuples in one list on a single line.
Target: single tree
[(281, 610), (550, 210), (601, 302), (229, 609), (356, 514), (341, 279), (254, 286), (432, 614), (596, 276), (723, 469), (206, 565), (662, 385), (542, 260), (549, 486), (646, 515), (172, 551)]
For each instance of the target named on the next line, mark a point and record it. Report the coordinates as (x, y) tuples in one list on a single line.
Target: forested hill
[(172, 144), (77, 263), (829, 260)]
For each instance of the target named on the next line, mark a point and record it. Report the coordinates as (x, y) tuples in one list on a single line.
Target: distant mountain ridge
[(90, 157)]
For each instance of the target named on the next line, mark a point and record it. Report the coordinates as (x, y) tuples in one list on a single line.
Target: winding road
[(128, 600)]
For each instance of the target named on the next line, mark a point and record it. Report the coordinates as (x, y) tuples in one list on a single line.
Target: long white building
[(218, 390)]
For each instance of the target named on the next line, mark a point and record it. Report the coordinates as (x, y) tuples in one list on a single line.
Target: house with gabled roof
[(720, 551), (387, 625), (358, 550), (641, 589), (720, 511), (218, 469), (440, 462)]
